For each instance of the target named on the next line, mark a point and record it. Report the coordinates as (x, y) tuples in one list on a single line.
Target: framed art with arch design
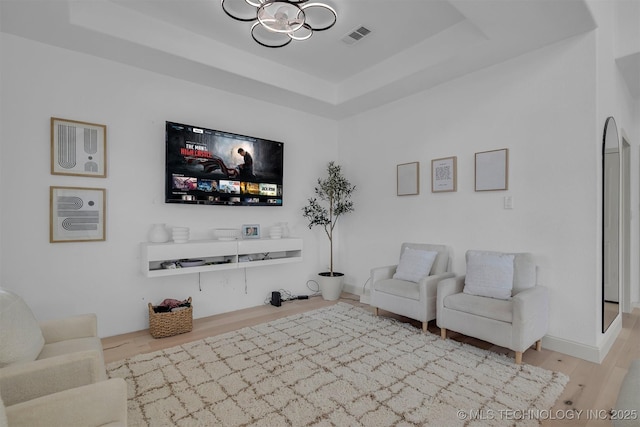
[(77, 214)]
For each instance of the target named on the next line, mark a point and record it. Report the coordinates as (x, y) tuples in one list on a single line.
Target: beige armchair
[(42, 358), (409, 288), (498, 300), (100, 404)]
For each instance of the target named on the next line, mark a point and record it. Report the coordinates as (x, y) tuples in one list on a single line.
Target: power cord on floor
[(288, 296), (278, 297), (315, 291), (364, 287)]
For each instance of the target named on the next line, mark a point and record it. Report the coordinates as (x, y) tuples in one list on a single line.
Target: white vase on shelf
[(275, 232), (159, 234), (285, 229)]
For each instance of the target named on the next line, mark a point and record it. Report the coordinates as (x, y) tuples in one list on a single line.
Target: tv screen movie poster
[(206, 166)]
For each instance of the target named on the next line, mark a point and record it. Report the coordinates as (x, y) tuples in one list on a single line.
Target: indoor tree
[(332, 200)]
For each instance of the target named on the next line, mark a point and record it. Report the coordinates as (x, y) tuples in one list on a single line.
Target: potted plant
[(333, 199)]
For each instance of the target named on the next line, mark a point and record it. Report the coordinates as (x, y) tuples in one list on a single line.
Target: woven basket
[(162, 325)]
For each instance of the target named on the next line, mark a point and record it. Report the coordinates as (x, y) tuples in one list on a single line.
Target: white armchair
[(42, 358), (100, 404), (410, 287), (498, 301)]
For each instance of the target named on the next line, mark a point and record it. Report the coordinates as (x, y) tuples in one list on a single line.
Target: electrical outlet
[(508, 202)]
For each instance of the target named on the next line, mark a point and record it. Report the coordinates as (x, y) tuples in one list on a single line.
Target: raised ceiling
[(413, 45)]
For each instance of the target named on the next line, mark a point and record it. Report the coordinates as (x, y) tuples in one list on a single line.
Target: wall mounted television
[(213, 167)]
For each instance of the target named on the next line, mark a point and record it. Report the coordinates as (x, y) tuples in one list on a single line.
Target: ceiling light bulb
[(281, 14), (282, 19)]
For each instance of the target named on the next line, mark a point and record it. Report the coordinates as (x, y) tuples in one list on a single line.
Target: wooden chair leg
[(539, 345), (518, 358), (375, 310), (443, 333), (424, 327)]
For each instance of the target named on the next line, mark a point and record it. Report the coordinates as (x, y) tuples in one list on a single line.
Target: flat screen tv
[(213, 167)]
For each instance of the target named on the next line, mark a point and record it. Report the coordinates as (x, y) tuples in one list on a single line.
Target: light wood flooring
[(592, 387)]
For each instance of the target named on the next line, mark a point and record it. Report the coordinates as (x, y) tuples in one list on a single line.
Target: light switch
[(508, 202)]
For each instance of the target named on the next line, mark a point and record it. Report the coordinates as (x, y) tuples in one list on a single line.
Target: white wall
[(618, 30), (627, 26), (39, 82), (541, 106)]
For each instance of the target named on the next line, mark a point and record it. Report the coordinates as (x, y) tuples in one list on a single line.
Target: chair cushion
[(489, 274), (491, 308), (414, 264), (70, 346), (401, 288), (20, 333)]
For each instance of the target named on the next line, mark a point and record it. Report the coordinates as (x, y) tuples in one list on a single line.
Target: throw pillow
[(414, 264), (20, 333), (489, 274)]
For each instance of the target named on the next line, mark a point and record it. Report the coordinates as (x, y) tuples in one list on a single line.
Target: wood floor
[(593, 388)]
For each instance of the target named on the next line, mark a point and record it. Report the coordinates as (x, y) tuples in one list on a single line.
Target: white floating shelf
[(218, 255)]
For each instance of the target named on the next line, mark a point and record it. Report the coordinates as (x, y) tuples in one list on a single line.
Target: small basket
[(162, 325)]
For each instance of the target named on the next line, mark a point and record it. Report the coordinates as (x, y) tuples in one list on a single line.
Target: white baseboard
[(365, 297), (587, 352), (352, 289), (581, 351)]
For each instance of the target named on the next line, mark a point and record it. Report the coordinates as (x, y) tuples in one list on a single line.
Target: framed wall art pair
[(77, 214), (443, 176)]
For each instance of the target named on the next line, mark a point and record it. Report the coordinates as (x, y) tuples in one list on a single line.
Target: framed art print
[(492, 170), (78, 148), (251, 231), (408, 175), (444, 174), (77, 214)]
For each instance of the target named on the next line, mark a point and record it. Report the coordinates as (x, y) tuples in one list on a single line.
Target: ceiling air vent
[(356, 35)]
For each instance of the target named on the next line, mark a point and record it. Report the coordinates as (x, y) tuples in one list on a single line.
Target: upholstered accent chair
[(409, 288), (42, 358), (100, 404), (498, 300)]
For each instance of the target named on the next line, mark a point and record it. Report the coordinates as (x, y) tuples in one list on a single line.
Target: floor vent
[(356, 35)]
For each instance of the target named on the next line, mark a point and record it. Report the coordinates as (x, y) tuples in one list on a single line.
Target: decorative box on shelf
[(215, 255)]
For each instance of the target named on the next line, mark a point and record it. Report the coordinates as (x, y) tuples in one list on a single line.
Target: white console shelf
[(218, 255)]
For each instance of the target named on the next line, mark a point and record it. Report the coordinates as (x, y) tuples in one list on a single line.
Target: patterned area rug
[(336, 366)]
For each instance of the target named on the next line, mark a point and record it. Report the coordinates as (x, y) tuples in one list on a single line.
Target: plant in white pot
[(333, 199)]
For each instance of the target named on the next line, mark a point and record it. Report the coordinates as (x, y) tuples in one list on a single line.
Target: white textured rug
[(336, 366)]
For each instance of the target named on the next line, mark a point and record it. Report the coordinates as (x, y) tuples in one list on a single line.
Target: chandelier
[(277, 22)]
